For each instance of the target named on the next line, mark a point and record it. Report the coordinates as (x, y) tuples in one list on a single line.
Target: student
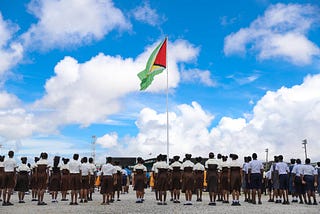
[(282, 170), (75, 178), (198, 170), (255, 177), (290, 174), (125, 176), (9, 180), (187, 178), (175, 168), (154, 175), (42, 171), (55, 179), (139, 179), (245, 179), (65, 178), (2, 175), (318, 171), (225, 180), (118, 180), (22, 185), (212, 166), (269, 185), (234, 174), (108, 172), (93, 175), (297, 182), (162, 180), (309, 177), (275, 181), (33, 182), (85, 179), (219, 193)]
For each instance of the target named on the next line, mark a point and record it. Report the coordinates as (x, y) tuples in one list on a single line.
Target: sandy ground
[(128, 205)]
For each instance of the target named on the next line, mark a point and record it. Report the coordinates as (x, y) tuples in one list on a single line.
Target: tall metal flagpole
[(167, 101)]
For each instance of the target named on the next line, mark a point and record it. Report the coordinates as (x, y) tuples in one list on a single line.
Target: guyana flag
[(157, 62)]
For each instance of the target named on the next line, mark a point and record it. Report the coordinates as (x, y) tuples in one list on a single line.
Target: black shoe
[(164, 203), (259, 202), (4, 204), (159, 203), (301, 202), (71, 203), (315, 203), (81, 201)]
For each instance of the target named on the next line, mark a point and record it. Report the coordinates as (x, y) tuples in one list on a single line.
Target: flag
[(157, 62)]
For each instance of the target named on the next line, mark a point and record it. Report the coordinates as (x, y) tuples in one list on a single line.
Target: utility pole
[(93, 144), (267, 150), (305, 147)]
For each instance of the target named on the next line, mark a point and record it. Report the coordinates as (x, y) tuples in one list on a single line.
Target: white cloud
[(10, 52), (148, 15), (66, 23), (85, 93), (194, 75), (108, 140), (280, 33)]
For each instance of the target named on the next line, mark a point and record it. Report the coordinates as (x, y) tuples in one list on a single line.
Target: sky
[(243, 77)]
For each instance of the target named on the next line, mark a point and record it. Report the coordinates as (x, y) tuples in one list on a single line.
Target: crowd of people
[(220, 176)]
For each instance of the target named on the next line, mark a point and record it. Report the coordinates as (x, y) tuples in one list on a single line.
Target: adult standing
[(10, 178), (75, 178)]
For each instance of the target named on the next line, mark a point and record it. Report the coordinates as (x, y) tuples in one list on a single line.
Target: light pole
[(267, 150), (93, 143), (305, 148)]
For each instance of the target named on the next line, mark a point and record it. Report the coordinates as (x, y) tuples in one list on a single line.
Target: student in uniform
[(22, 185), (55, 179), (108, 172), (212, 166), (187, 178), (75, 178), (318, 171), (9, 180), (42, 171), (85, 179), (291, 188), (93, 174), (33, 182), (269, 185), (154, 175), (2, 176), (255, 177), (162, 179), (309, 177), (282, 170), (65, 179), (124, 180), (244, 180), (139, 179), (219, 193), (198, 170), (225, 180), (117, 186), (235, 176), (275, 181), (175, 168), (297, 182)]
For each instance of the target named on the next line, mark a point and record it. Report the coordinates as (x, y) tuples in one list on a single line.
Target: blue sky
[(243, 77)]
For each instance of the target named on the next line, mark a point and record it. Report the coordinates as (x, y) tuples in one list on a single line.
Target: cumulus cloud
[(85, 93), (60, 26), (108, 140), (11, 52), (194, 75), (280, 121), (280, 33), (148, 15)]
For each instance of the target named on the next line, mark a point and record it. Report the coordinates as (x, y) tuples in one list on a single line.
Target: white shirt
[(225, 164), (268, 175), (9, 164), (74, 166), (1, 164), (92, 168), (108, 169), (42, 162), (161, 165), (255, 166), (118, 168), (282, 168), (124, 172), (155, 166), (23, 167), (198, 166), (85, 169), (64, 166), (245, 168), (308, 169), (140, 166), (212, 161), (175, 164), (187, 163), (234, 163)]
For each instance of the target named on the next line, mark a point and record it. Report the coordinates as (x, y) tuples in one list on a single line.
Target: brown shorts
[(9, 181), (75, 181)]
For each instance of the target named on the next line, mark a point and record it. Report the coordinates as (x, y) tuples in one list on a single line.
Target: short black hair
[(11, 154)]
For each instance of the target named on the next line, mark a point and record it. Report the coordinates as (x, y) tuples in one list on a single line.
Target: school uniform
[(2, 175), (65, 177), (93, 169), (85, 175), (269, 183), (290, 174), (235, 175), (299, 187), (42, 174), (23, 178), (55, 179), (162, 176), (187, 176), (275, 177), (9, 168), (118, 186), (139, 177), (224, 176), (107, 172), (75, 176), (246, 175), (283, 169), (256, 178), (308, 172), (198, 170), (213, 166), (33, 179), (176, 174), (154, 173)]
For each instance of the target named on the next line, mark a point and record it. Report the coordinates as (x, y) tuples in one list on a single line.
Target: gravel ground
[(128, 205)]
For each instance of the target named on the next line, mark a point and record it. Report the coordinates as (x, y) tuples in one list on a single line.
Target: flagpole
[(167, 101)]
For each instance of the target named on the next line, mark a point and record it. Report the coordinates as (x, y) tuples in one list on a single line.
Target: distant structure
[(93, 147)]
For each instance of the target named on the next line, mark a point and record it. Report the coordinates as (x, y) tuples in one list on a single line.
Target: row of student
[(299, 179)]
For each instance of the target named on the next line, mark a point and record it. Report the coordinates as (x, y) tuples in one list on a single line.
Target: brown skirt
[(55, 181), (162, 181), (176, 180), (212, 181), (224, 181), (22, 182), (235, 179), (75, 181), (199, 178), (118, 185), (187, 181), (9, 181), (139, 182), (2, 177), (106, 184), (85, 182), (65, 181)]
